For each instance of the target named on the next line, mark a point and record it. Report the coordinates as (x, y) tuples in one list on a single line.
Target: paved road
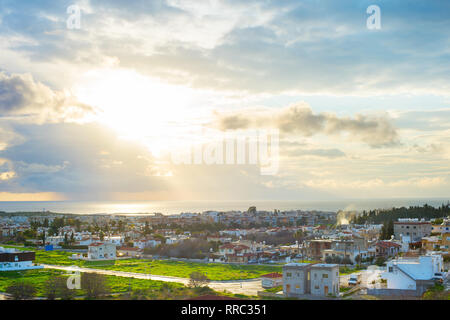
[(247, 287)]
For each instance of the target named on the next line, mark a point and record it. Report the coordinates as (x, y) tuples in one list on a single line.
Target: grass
[(347, 270), (182, 269), (274, 289)]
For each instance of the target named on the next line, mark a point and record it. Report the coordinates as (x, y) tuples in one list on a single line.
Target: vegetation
[(274, 289), (197, 279), (181, 269), (94, 285), (436, 293), (191, 249), (21, 290), (384, 216)]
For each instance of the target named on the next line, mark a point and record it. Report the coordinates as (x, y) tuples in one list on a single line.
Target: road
[(247, 287), (367, 276)]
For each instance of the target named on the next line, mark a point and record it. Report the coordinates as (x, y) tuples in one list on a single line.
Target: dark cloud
[(20, 95), (300, 120)]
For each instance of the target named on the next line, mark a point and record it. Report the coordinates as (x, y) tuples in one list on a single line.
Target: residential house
[(101, 250), (413, 274), (387, 249), (325, 279)]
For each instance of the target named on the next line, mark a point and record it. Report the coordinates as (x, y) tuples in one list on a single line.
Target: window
[(391, 269), (297, 286), (324, 275), (309, 276), (288, 274)]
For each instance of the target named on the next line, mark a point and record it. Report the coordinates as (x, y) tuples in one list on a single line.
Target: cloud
[(21, 96), (300, 120)]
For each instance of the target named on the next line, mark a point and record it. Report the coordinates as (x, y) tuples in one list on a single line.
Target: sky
[(96, 111)]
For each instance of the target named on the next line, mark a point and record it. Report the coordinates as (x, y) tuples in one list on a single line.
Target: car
[(354, 280), (439, 277)]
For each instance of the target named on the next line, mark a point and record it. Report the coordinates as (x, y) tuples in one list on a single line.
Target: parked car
[(439, 276), (354, 280)]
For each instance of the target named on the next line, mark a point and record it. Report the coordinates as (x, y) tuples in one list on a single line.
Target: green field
[(115, 284), (214, 271)]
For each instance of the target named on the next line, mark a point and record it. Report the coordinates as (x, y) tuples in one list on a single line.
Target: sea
[(176, 207)]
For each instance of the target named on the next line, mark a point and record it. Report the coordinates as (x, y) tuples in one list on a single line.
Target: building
[(387, 249), (237, 253), (431, 243), (13, 260), (272, 280), (415, 228), (315, 248), (296, 279), (413, 274), (306, 278), (100, 250), (325, 279)]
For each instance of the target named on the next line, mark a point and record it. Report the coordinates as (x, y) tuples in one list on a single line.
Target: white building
[(412, 273), (100, 250), (13, 260)]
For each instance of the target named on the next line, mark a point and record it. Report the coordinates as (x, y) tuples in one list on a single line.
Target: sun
[(137, 107)]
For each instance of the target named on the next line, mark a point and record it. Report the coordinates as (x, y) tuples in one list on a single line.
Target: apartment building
[(415, 228)]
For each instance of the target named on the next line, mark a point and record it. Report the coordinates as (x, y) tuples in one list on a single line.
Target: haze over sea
[(175, 207)]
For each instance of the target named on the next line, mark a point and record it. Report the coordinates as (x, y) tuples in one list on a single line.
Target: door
[(325, 289), (288, 288)]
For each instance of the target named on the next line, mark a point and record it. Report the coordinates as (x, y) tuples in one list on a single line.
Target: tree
[(198, 279), (102, 236), (94, 284), (57, 287), (21, 290), (147, 228), (43, 238)]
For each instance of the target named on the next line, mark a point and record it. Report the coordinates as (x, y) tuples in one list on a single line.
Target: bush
[(21, 290)]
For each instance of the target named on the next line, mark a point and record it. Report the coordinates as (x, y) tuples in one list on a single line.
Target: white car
[(354, 280), (439, 276)]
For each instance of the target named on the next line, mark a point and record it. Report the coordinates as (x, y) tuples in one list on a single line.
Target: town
[(401, 253)]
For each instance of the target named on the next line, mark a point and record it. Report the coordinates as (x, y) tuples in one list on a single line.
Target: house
[(296, 279), (431, 243), (100, 250), (13, 260), (412, 227), (272, 280), (237, 253), (146, 243), (412, 274), (387, 248), (325, 279)]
